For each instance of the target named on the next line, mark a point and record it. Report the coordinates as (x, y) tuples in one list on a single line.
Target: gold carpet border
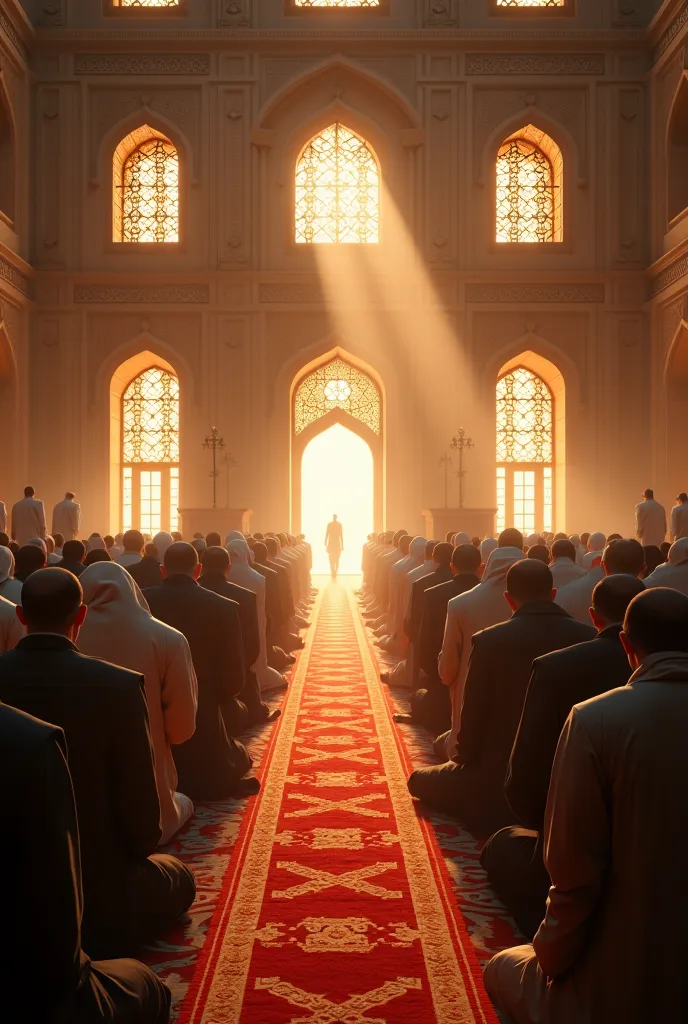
[(447, 981), (226, 994)]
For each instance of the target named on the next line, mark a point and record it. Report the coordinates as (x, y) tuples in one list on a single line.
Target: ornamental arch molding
[(353, 397), (105, 146), (676, 395), (572, 153), (677, 152)]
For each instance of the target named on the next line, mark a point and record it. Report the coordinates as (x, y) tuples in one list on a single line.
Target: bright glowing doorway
[(337, 477)]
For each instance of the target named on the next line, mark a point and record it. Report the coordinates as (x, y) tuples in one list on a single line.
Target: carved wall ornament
[(535, 64), (142, 64), (670, 275), (165, 293), (535, 293), (235, 13), (440, 13), (10, 274), (9, 29), (673, 30), (287, 293)]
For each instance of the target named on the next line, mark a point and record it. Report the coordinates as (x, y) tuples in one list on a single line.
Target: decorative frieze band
[(168, 293), (142, 64), (535, 293), (304, 294), (9, 273), (673, 30), (535, 64), (674, 272)]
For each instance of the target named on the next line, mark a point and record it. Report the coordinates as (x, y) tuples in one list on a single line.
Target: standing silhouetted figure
[(334, 542)]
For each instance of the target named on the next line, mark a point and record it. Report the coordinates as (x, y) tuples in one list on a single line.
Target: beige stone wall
[(238, 309)]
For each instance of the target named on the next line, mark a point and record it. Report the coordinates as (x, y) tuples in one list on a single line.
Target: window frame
[(180, 246), (111, 9), (292, 11), (567, 11)]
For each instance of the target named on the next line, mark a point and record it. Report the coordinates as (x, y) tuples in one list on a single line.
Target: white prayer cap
[(678, 552), (597, 541), (163, 541), (575, 539), (6, 564), (36, 542), (461, 538), (533, 539)]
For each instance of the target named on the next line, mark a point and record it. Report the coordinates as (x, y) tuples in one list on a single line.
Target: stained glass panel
[(337, 3), (337, 385), (147, 3), (150, 418), (337, 190), (524, 418), (525, 193), (150, 193)]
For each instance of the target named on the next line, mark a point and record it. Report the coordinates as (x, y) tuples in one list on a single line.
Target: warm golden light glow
[(337, 477), (531, 3), (337, 190), (147, 3), (150, 452), (525, 452), (337, 385), (337, 3), (529, 188), (146, 188)]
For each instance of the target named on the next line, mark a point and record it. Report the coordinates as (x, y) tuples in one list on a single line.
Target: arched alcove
[(529, 187), (128, 486), (676, 384), (7, 158), (531, 438), (8, 414), (677, 154), (329, 391), (145, 188)]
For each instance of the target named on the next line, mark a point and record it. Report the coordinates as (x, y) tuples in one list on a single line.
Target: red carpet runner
[(336, 908)]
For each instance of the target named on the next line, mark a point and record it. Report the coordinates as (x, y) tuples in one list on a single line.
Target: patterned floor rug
[(328, 898)]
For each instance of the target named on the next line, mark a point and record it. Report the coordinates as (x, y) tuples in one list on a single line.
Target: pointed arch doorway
[(337, 455)]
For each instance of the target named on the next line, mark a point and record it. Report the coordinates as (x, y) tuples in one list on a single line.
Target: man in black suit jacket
[(44, 973), (132, 894), (471, 787), (431, 705), (513, 857), (211, 764), (215, 566)]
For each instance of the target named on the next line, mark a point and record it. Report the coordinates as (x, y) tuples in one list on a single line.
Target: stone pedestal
[(214, 520), (476, 522)]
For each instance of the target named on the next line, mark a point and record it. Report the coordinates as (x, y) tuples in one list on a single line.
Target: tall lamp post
[(461, 443), (446, 461), (215, 444)]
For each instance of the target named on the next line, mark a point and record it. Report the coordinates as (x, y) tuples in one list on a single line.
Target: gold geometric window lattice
[(337, 385), (337, 190), (529, 188), (150, 418), (146, 180), (147, 3), (531, 3), (524, 418), (337, 3)]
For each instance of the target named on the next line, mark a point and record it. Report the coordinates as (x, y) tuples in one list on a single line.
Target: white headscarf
[(242, 573), (37, 542), (96, 542), (487, 547), (163, 541), (461, 538), (10, 588)]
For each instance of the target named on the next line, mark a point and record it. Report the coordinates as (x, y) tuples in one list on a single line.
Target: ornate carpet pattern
[(327, 899)]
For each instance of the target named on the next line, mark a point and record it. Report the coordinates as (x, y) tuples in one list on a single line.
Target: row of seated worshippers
[(564, 714), (120, 707)]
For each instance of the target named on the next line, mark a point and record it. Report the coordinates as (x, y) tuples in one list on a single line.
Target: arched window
[(337, 385), (150, 452), (529, 188), (525, 452), (531, 3), (146, 3), (146, 188), (337, 189)]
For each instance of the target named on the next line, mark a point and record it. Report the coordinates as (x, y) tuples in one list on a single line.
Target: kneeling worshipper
[(619, 556), (45, 975), (431, 704), (215, 564), (73, 557), (120, 628), (212, 763), (563, 565), (11, 629), (471, 785), (28, 559), (513, 857), (674, 573), (467, 614), (612, 945), (244, 575), (132, 543), (396, 642), (147, 572), (131, 893), (10, 588)]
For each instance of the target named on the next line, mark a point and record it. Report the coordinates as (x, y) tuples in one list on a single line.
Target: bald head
[(51, 600), (656, 621), (215, 559), (442, 553), (181, 559), (611, 598), (623, 556), (511, 539), (405, 544), (529, 580)]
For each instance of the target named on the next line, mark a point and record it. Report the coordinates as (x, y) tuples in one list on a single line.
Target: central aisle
[(335, 906)]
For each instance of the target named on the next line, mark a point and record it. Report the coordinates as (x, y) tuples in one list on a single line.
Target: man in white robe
[(596, 545), (563, 566), (3, 517), (396, 642), (11, 629), (620, 556), (674, 573), (650, 521), (67, 517), (679, 517), (28, 518), (467, 614)]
